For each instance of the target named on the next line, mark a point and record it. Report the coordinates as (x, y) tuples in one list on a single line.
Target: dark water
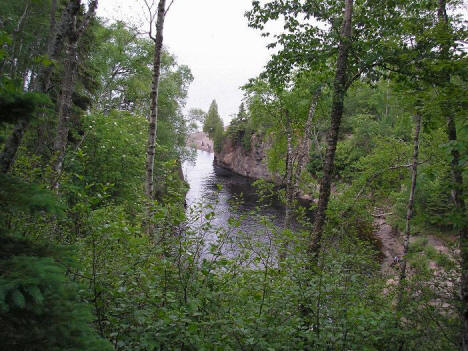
[(219, 188)]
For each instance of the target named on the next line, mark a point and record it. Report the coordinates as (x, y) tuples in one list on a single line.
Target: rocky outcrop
[(251, 163), (200, 141)]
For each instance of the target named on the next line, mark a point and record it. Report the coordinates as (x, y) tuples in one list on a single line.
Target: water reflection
[(219, 188)]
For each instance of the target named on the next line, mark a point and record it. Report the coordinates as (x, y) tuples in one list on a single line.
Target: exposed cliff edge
[(253, 163), (200, 141), (249, 163)]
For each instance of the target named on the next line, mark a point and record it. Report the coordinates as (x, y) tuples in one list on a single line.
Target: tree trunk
[(289, 185), (75, 30), (409, 210), (153, 120), (15, 52), (8, 154), (304, 148), (57, 36), (339, 90), (289, 172), (64, 112), (463, 230), (13, 142), (457, 192)]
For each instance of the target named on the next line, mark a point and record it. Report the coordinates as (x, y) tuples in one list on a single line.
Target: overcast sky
[(213, 39)]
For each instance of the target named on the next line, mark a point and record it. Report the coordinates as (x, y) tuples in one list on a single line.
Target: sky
[(213, 39)]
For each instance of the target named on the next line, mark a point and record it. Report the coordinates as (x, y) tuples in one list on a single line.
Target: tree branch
[(89, 15), (151, 19), (168, 8)]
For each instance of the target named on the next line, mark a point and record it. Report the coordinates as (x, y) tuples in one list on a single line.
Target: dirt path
[(391, 241)]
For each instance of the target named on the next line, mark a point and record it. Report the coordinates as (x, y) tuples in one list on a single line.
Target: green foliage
[(17, 196), (240, 130), (162, 299), (40, 308), (197, 285), (95, 163), (16, 104), (21, 21), (4, 39), (214, 127), (122, 61)]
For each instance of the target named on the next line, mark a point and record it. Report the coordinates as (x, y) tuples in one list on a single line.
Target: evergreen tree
[(214, 127), (212, 122), (40, 308)]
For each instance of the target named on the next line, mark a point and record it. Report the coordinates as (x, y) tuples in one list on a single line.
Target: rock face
[(250, 163), (200, 141)]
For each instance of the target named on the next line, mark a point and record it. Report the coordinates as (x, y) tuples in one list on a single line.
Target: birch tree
[(410, 207), (324, 40), (153, 117), (303, 150)]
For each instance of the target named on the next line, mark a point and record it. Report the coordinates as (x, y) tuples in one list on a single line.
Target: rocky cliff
[(251, 163), (200, 141)]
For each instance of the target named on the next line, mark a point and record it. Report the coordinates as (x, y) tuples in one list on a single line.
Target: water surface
[(218, 187)]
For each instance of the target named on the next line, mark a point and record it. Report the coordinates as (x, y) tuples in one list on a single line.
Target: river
[(219, 188), (229, 196)]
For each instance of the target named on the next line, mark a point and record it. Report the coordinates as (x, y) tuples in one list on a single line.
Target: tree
[(212, 120), (20, 107), (436, 60), (124, 62), (39, 80), (214, 127), (339, 90), (458, 196), (410, 207), (40, 307), (153, 118), (76, 26), (304, 148), (242, 114), (305, 45), (196, 116), (38, 304), (239, 129)]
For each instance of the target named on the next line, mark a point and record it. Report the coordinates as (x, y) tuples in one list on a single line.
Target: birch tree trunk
[(457, 192), (13, 141), (339, 90), (153, 120), (289, 172), (289, 185), (16, 44), (304, 148), (410, 207)]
